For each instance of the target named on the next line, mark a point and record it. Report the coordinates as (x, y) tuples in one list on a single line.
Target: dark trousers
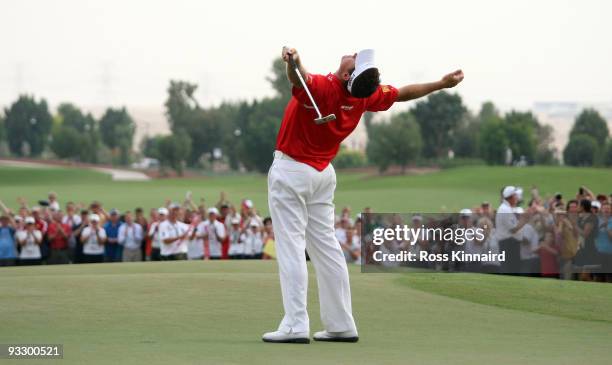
[(28, 262), (512, 264), (113, 252), (155, 254), (175, 257), (92, 259)]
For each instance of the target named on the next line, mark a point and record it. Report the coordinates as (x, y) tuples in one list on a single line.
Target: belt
[(282, 156)]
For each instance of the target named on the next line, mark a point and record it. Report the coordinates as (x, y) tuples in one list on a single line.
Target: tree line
[(436, 130)]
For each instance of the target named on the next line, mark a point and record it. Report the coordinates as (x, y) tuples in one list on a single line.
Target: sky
[(110, 52)]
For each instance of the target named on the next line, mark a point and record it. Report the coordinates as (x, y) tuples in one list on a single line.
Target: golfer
[(301, 184)]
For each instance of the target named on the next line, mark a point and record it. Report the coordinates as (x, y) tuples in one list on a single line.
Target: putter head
[(325, 119)]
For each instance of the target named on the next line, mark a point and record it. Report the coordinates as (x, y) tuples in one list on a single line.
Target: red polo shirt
[(59, 242), (317, 144)]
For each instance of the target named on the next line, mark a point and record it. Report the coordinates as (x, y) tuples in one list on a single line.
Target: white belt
[(282, 156)]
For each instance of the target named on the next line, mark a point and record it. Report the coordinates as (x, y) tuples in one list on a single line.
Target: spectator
[(269, 252), (549, 253), (112, 248), (586, 257), (29, 241), (154, 234), (53, 203), (93, 237), (77, 230), (58, 234), (195, 246), (174, 235), (8, 250), (567, 233), (603, 241), (253, 242), (341, 234), (490, 244), (214, 232), (224, 217), (144, 224), (236, 249), (530, 243), (507, 229), (130, 238)]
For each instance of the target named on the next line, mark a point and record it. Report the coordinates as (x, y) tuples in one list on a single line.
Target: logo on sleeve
[(385, 88)]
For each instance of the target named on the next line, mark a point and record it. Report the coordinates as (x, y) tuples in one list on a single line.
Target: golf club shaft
[(299, 75)]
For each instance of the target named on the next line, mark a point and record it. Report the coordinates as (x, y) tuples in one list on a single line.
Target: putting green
[(215, 312)]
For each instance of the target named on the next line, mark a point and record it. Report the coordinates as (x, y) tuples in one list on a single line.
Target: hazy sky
[(125, 52)]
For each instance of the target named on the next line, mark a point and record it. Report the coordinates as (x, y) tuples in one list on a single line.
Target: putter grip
[(292, 61)]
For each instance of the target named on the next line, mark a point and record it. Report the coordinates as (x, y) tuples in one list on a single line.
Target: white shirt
[(531, 235), (167, 230), (31, 250), (356, 245), (130, 236), (72, 220), (341, 235), (195, 248), (154, 234), (253, 243), (236, 246), (215, 233), (92, 246), (505, 221)]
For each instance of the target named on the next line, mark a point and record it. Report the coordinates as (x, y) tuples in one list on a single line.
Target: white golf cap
[(18, 218), (508, 191), (236, 220), (162, 211), (364, 61), (213, 210), (465, 211), (417, 217), (29, 220), (253, 224), (94, 218), (248, 203), (518, 210), (596, 204)]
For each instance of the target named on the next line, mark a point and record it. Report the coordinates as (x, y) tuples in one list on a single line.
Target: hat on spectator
[(114, 211), (253, 224), (18, 218), (247, 203), (509, 191), (236, 220), (213, 210), (36, 208), (54, 207), (465, 212), (417, 217), (29, 220), (518, 210), (174, 206), (94, 218), (162, 211), (596, 204)]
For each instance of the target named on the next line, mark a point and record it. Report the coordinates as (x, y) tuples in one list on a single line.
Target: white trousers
[(302, 209)]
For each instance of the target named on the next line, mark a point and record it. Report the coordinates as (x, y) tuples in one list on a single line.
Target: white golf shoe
[(346, 336), (284, 337)]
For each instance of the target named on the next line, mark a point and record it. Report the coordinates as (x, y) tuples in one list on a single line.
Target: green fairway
[(447, 190), (215, 312)]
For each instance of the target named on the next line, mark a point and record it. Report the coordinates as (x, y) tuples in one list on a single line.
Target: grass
[(214, 313), (447, 190)]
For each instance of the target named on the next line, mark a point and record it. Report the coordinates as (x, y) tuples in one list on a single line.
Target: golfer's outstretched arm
[(416, 91), (291, 75)]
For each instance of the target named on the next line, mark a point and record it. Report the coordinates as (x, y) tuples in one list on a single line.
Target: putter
[(321, 119)]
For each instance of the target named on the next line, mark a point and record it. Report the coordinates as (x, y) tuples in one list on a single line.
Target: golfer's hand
[(290, 52), (452, 79)]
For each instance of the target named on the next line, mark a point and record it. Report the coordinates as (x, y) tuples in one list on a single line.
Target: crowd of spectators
[(548, 237), (89, 234)]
